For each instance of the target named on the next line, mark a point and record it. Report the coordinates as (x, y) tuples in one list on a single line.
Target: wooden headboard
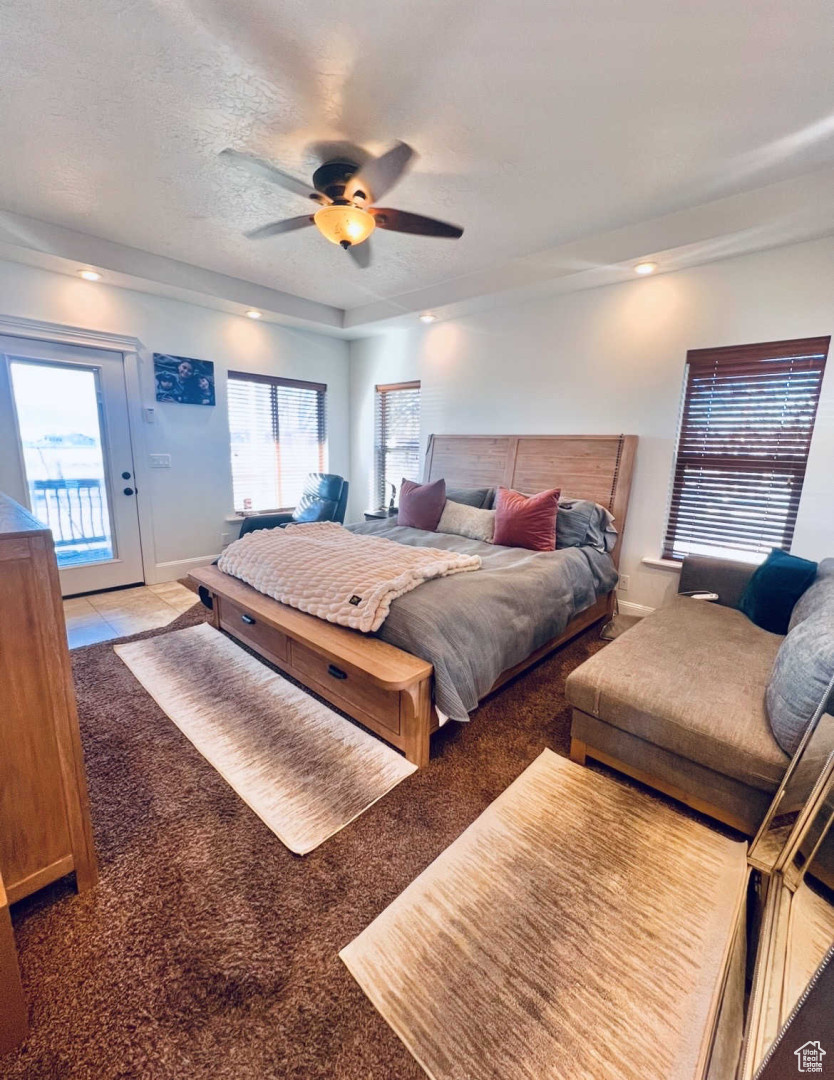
[(597, 467)]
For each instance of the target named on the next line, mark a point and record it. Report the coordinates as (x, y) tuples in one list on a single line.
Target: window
[(278, 436), (396, 438), (748, 416)]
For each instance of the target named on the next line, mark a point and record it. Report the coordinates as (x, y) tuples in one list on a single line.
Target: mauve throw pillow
[(526, 521), (421, 504)]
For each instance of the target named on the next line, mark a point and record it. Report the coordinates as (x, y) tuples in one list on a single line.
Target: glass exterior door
[(73, 443), (63, 457)]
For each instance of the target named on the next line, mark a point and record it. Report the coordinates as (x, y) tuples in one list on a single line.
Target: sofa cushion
[(705, 573), (746, 805), (690, 678), (818, 597), (802, 682), (774, 589)]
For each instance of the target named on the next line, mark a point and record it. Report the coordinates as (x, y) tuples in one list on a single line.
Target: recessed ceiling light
[(90, 275), (427, 317), (252, 314), (645, 268)]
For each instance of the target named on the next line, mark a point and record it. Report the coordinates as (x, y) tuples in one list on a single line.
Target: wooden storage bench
[(382, 687)]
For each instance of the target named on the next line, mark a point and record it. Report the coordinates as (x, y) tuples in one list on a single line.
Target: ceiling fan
[(345, 193)]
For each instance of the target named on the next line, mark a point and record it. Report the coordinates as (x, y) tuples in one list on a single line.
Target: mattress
[(473, 627)]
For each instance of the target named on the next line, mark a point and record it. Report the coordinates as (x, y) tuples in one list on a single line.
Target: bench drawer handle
[(248, 620), (337, 673)]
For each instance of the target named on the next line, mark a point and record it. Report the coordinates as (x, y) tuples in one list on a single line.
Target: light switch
[(160, 461)]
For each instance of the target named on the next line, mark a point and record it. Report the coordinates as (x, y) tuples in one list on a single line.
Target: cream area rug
[(303, 769), (577, 929)]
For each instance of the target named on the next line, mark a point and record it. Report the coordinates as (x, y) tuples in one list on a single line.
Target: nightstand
[(375, 515)]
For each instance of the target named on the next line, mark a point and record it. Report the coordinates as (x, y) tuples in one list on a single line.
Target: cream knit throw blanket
[(345, 578)]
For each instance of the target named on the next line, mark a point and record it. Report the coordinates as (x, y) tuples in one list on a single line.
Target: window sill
[(670, 565)]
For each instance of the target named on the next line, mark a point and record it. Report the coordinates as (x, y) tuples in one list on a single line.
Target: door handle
[(128, 491), (125, 475)]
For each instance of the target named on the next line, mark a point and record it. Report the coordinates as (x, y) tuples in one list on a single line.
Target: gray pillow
[(819, 596), (479, 497), (802, 681), (581, 523)]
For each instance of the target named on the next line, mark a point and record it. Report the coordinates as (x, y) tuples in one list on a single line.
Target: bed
[(429, 660)]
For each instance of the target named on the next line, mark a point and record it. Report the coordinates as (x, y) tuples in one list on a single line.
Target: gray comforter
[(472, 627)]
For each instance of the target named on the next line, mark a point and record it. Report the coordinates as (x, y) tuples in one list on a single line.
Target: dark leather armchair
[(324, 499)]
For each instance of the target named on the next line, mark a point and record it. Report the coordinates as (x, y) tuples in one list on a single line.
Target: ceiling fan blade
[(379, 175), (267, 171), (401, 221), (361, 254), (289, 225)]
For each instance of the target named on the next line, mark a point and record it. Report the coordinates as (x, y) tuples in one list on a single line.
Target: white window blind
[(278, 435), (746, 427), (397, 438)]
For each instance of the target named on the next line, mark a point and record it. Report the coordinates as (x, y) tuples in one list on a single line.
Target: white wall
[(606, 361), (187, 504)]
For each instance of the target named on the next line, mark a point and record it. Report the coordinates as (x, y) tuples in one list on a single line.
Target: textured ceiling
[(536, 122)]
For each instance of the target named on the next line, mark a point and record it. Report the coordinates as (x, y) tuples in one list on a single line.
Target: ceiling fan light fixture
[(345, 225)]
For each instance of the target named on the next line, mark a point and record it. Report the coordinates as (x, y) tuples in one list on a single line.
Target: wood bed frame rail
[(385, 688)]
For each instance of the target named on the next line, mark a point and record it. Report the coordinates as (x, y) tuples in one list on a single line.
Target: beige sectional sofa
[(678, 701)]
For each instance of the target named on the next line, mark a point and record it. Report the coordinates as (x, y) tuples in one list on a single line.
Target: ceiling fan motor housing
[(332, 178)]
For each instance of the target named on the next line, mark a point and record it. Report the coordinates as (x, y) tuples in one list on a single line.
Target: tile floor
[(102, 616)]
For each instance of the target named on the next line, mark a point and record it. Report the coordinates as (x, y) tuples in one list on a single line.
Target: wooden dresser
[(44, 814)]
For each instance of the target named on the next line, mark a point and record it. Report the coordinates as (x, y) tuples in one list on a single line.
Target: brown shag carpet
[(208, 949)]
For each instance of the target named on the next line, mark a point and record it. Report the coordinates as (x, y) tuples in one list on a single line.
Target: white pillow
[(463, 520)]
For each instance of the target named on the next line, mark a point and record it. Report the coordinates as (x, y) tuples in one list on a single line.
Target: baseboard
[(626, 607), (173, 571)]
